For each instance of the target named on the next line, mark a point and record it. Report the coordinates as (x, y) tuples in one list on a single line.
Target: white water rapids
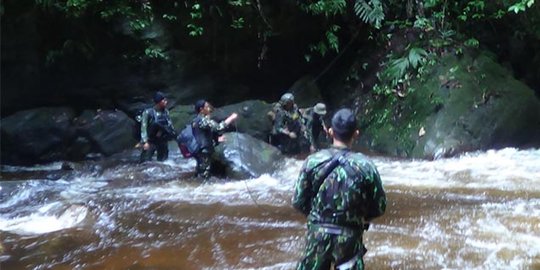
[(476, 211)]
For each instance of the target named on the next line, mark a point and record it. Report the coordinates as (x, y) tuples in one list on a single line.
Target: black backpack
[(156, 123), (187, 142)]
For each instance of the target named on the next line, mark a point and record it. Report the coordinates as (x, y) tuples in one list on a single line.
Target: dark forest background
[(383, 58)]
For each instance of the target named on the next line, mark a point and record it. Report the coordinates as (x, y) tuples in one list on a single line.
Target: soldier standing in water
[(340, 192)]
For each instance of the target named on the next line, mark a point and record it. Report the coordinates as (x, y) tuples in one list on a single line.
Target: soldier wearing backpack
[(156, 130), (288, 131), (205, 129), (340, 192)]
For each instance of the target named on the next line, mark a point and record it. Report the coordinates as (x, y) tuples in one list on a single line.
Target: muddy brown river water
[(477, 211)]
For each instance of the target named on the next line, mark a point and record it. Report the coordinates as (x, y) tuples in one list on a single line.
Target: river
[(477, 211)]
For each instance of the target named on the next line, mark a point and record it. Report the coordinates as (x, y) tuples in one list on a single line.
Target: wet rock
[(243, 156), (37, 135), (110, 131), (466, 104), (252, 118)]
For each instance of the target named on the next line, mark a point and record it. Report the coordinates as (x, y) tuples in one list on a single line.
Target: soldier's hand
[(312, 148), (146, 146), (292, 135), (231, 118)]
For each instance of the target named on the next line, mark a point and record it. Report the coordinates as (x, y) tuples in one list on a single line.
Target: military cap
[(158, 97), (319, 109), (199, 105), (344, 122), (287, 97)]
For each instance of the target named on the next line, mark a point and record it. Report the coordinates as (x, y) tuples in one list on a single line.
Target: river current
[(477, 211)]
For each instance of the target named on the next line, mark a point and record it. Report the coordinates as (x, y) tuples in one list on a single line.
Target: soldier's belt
[(335, 229)]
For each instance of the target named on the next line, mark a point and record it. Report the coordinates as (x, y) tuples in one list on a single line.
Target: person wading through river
[(288, 131), (156, 130), (314, 123), (340, 192), (205, 129)]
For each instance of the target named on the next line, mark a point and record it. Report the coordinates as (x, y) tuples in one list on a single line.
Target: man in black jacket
[(156, 130)]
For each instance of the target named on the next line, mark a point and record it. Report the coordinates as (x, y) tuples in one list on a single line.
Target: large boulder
[(466, 103), (252, 117), (51, 134), (37, 135), (109, 131), (241, 156)]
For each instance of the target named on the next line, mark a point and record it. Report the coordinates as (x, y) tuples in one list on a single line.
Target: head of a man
[(202, 106), (319, 109), (344, 125), (160, 100), (287, 101)]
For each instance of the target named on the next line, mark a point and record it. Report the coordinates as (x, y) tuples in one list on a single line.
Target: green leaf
[(472, 42), (417, 56), (371, 13), (238, 23)]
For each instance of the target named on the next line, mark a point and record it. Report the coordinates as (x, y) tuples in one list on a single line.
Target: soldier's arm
[(302, 191), (279, 125), (309, 131), (376, 195), (324, 127), (144, 126), (209, 124), (170, 125)]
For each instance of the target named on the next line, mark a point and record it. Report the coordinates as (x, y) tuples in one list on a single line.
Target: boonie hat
[(158, 96), (344, 122), (319, 109), (287, 97)]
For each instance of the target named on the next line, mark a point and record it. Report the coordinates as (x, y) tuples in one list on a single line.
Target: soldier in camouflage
[(340, 192), (313, 120), (156, 130), (288, 132), (205, 130)]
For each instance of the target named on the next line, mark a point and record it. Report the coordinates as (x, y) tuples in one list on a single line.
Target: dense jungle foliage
[(427, 78), (391, 42)]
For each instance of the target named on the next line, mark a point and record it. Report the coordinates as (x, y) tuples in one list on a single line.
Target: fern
[(417, 56), (370, 12), (398, 68)]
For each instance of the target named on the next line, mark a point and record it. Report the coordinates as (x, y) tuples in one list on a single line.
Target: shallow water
[(477, 211)]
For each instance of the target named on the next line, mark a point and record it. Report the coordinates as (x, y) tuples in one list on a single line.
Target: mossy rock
[(466, 103)]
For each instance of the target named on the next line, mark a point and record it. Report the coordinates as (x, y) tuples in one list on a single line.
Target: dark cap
[(199, 105), (158, 96), (344, 122)]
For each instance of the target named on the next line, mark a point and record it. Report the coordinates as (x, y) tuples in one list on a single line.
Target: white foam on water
[(508, 169), (501, 231), (39, 167), (238, 192), (278, 266), (45, 220)]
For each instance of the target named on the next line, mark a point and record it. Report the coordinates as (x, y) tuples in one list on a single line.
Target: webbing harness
[(327, 167)]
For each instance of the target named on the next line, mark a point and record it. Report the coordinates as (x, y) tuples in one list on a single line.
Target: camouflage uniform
[(157, 130), (338, 207), (314, 125), (205, 129), (288, 121)]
